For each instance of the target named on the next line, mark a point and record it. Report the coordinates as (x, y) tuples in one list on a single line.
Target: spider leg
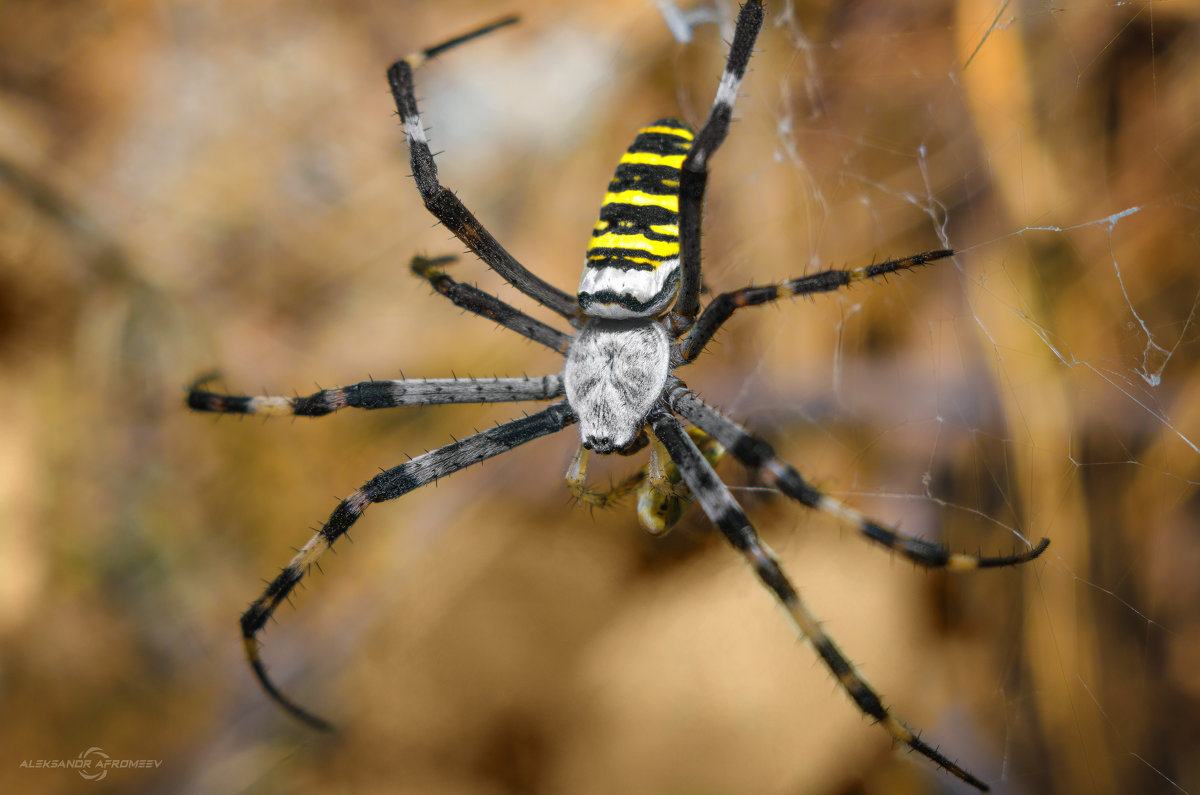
[(387, 485), (759, 456), (442, 202), (694, 178), (723, 306), (380, 395), (475, 300), (577, 483), (727, 515), (662, 496)]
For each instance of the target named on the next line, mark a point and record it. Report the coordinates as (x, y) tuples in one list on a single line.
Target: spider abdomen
[(615, 373), (632, 263)]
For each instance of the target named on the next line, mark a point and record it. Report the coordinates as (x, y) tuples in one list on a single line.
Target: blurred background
[(195, 186)]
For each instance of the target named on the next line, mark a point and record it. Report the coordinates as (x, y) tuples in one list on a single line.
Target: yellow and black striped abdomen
[(632, 265)]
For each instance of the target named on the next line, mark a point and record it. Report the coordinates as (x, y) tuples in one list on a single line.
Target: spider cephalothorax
[(615, 373), (638, 317)]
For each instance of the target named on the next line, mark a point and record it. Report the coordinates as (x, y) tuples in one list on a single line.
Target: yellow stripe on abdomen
[(651, 159), (632, 263), (635, 243), (639, 198)]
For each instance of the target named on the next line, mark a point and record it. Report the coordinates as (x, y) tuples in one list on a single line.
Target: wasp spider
[(637, 319)]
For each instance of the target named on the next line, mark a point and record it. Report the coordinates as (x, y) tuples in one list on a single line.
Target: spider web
[(1038, 385), (195, 185), (1043, 384)]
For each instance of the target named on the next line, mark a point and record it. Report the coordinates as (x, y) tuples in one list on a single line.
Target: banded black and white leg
[(694, 178), (387, 485), (723, 306), (772, 470), (441, 201), (474, 300), (727, 515), (379, 395)]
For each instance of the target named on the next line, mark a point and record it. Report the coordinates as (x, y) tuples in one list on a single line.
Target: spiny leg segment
[(779, 474), (379, 395), (387, 485), (728, 516), (694, 179), (723, 306), (477, 301), (599, 498), (662, 496), (442, 202)]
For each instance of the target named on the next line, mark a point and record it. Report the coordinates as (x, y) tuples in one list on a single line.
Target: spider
[(637, 318)]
